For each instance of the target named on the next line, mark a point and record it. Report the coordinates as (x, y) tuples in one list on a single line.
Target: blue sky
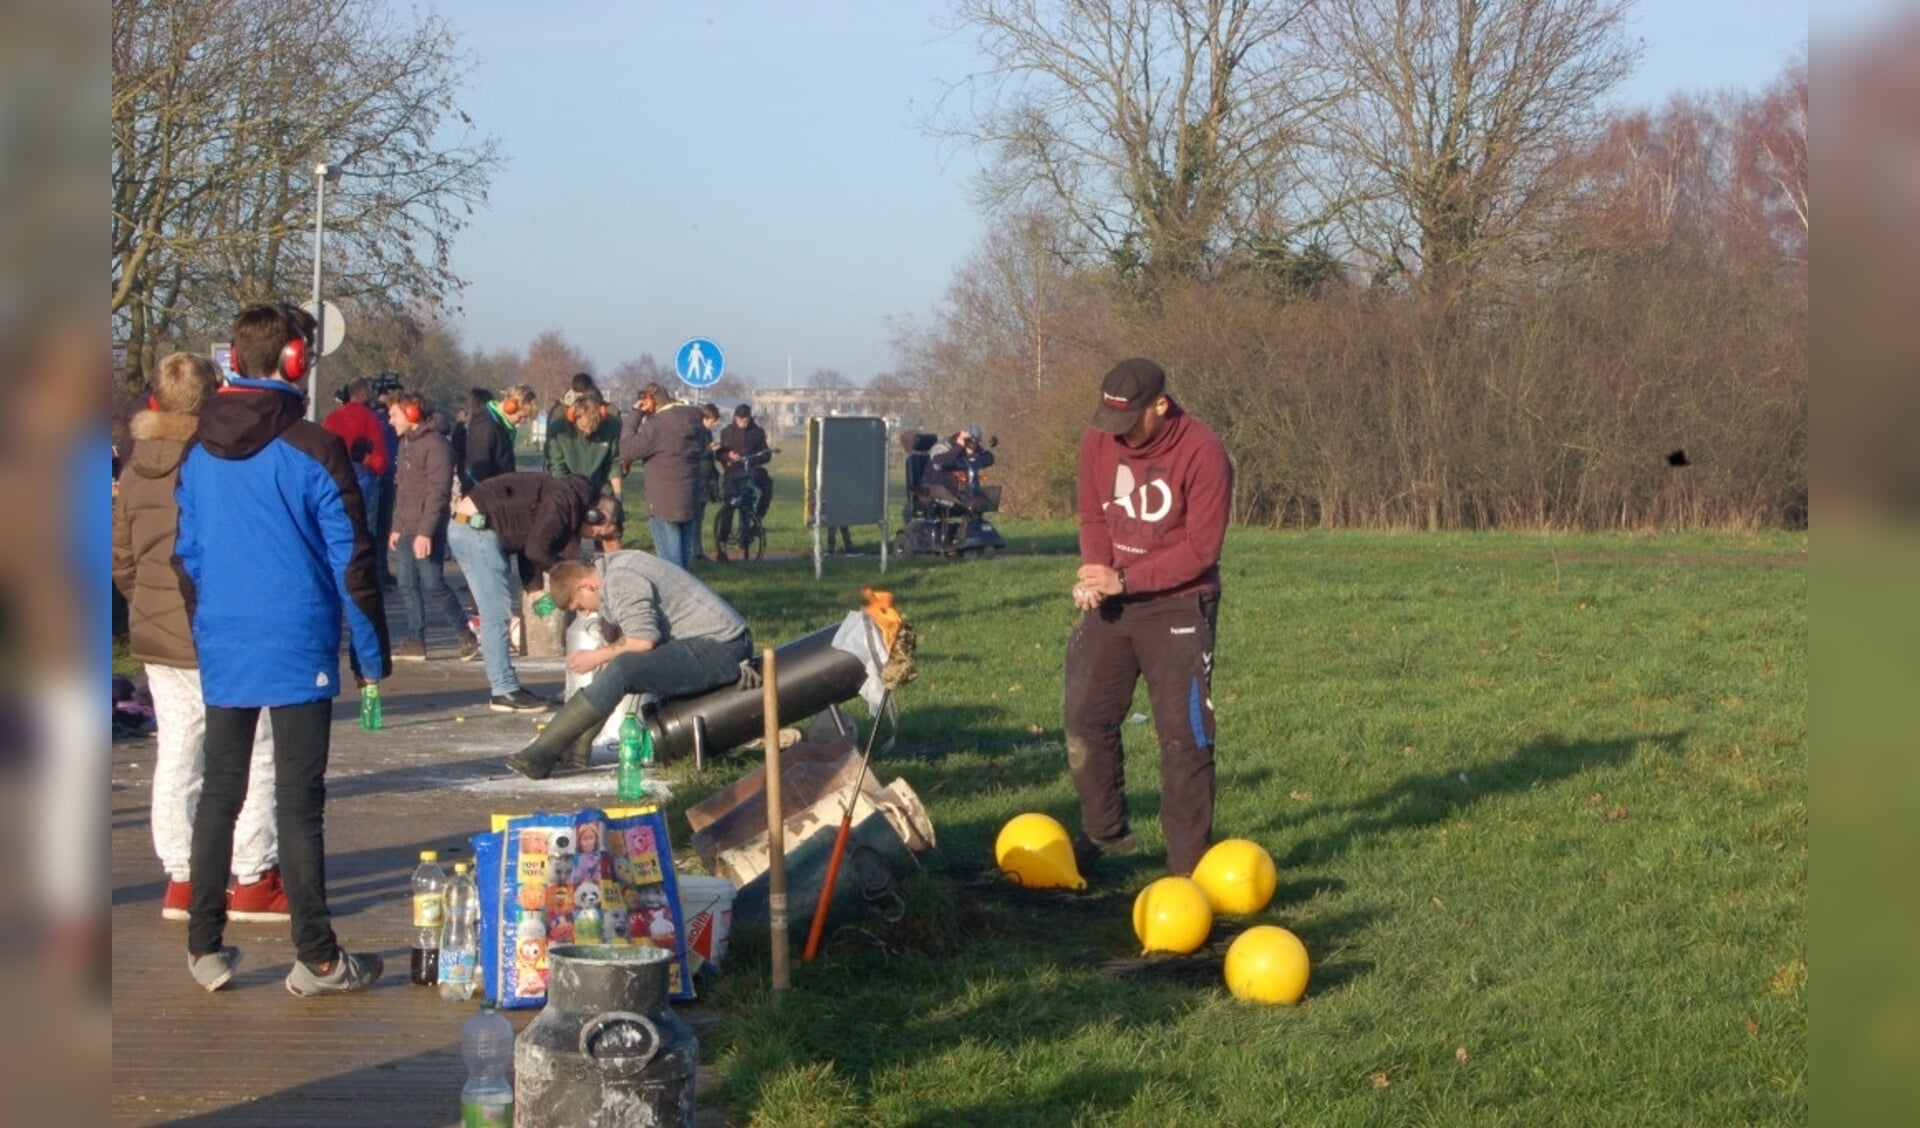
[(753, 171)]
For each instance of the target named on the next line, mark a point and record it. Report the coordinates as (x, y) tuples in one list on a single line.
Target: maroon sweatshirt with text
[(1159, 512)]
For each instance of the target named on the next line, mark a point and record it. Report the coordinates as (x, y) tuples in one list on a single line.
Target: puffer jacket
[(145, 519), (274, 551), (423, 480), (670, 444)]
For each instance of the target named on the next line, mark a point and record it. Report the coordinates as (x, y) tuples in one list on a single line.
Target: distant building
[(785, 411)]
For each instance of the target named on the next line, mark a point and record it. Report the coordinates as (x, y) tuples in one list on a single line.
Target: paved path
[(254, 1055)]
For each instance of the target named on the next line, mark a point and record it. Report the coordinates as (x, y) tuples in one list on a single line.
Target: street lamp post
[(323, 174)]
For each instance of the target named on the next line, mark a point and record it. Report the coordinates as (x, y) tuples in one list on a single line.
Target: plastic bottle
[(429, 916), (460, 942), (486, 1101), (634, 744), (588, 926), (370, 712)]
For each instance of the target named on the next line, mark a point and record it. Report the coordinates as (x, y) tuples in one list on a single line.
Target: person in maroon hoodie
[(1155, 492)]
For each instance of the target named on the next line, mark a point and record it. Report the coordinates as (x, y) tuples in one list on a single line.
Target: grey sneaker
[(519, 701), (410, 650), (349, 973), (214, 969), (469, 647)]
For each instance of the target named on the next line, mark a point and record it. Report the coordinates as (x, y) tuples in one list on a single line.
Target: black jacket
[(488, 450), (535, 515)]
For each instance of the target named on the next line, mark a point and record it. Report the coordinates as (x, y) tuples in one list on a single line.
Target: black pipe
[(813, 675)]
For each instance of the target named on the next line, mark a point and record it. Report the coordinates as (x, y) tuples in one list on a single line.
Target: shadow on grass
[(1426, 799)]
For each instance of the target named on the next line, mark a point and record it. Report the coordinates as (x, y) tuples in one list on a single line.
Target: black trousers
[(302, 738), (1169, 641)]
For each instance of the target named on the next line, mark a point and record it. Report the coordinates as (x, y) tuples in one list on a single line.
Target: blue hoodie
[(273, 550)]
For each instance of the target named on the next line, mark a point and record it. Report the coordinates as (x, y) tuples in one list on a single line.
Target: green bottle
[(370, 713), (635, 742)]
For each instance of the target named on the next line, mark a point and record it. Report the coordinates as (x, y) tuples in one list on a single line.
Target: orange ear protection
[(510, 405)]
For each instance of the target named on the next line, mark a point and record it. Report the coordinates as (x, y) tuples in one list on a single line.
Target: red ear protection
[(571, 417), (153, 403), (411, 410), (293, 355), (293, 360)]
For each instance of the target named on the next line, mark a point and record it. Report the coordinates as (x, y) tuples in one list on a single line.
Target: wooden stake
[(776, 832)]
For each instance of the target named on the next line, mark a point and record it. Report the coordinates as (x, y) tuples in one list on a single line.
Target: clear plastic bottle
[(429, 916), (460, 941), (487, 1044)]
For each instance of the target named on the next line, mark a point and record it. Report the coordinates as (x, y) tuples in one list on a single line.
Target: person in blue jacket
[(273, 553)]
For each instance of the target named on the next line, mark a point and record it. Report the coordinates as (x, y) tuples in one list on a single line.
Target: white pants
[(179, 767)]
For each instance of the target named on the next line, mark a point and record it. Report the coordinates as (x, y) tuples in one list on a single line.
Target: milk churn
[(608, 1051)]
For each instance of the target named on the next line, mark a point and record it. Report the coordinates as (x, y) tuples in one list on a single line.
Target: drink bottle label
[(429, 910), (456, 966), (491, 1111)]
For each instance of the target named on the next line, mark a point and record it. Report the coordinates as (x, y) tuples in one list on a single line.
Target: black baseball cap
[(1129, 388)]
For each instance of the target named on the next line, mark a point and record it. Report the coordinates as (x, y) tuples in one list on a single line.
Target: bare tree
[(829, 378), (1457, 110), (550, 365), (221, 111), (1155, 126)]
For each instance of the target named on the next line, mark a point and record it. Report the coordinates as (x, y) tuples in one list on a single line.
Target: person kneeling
[(675, 638)]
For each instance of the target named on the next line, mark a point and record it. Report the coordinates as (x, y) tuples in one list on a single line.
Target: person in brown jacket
[(145, 520), (422, 502)]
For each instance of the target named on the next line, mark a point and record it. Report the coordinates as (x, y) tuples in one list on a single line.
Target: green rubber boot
[(574, 725)]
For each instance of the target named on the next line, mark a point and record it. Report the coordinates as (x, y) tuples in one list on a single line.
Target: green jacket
[(593, 457)]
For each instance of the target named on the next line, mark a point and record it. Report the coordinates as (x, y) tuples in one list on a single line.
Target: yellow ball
[(1267, 964), (1172, 915), (1239, 877), (1033, 850)]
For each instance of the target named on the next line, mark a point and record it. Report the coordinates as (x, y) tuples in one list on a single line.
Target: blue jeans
[(683, 667), (674, 541), (485, 567), (422, 580)]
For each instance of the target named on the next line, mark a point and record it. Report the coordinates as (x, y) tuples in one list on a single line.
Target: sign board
[(223, 358), (700, 362), (846, 482), (333, 326), (846, 469)]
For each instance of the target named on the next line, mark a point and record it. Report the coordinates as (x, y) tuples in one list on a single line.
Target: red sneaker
[(265, 899), (174, 905)]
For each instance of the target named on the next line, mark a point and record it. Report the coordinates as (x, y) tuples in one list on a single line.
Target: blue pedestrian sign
[(700, 362)]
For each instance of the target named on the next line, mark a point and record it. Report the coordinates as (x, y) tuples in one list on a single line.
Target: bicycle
[(749, 538)]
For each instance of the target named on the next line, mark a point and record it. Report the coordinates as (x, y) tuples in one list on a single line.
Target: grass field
[(1539, 805)]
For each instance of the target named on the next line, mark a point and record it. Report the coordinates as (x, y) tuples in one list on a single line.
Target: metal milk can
[(608, 1051)]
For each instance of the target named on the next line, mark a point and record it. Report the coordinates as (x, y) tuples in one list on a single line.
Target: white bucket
[(706, 908)]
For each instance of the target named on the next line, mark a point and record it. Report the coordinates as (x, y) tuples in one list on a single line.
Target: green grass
[(1538, 802)]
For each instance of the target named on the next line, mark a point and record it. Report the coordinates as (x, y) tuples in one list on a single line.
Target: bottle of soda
[(588, 926), (429, 914), (370, 713), (460, 941), (486, 1101), (635, 742)]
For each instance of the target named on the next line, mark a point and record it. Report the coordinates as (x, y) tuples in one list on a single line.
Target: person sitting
[(539, 517), (675, 638), (952, 478)]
